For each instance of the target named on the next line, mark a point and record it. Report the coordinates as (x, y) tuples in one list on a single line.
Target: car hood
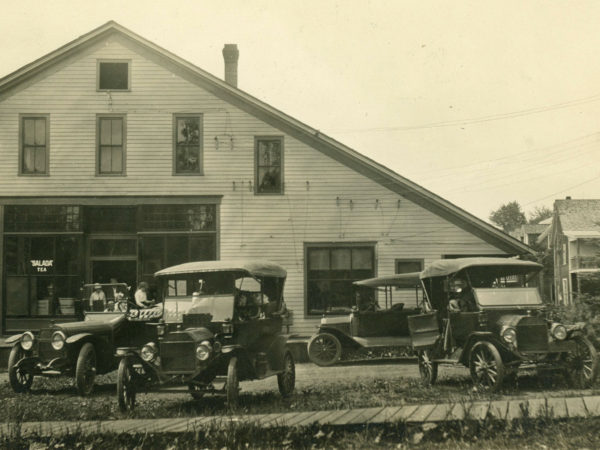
[(191, 334), (90, 326), (513, 320)]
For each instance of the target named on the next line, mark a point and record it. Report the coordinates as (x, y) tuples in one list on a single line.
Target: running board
[(388, 341)]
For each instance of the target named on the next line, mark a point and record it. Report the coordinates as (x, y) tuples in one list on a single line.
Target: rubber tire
[(20, 380), (125, 386), (83, 379), (577, 378), (333, 350), (286, 380), (489, 352), (428, 372), (232, 386)]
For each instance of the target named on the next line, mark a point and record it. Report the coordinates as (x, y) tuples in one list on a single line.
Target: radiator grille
[(178, 356), (532, 336)]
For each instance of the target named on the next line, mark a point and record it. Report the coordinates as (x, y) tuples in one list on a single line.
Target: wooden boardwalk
[(551, 408)]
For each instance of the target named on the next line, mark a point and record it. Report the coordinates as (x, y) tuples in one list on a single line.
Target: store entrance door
[(123, 271)]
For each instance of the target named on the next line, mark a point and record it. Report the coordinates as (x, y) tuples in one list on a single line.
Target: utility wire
[(482, 119)]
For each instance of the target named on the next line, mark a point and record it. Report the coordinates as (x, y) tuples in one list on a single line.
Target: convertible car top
[(443, 267), (256, 268)]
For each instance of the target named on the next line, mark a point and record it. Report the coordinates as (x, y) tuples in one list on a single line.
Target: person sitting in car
[(462, 299), (141, 296), (97, 298)]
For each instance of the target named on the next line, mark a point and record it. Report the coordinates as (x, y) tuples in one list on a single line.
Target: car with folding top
[(81, 349), (487, 314), (221, 324), (378, 320)]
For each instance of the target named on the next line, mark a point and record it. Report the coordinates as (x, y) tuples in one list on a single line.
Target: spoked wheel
[(286, 380), (233, 385), (324, 349), (427, 368), (582, 364), (20, 378), (125, 386), (195, 391), (486, 366), (85, 371)]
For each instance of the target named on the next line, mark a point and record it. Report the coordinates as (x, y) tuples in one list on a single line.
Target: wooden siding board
[(275, 227)]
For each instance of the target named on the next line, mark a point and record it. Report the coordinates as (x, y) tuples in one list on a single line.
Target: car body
[(487, 314), (368, 325), (80, 349), (222, 321)]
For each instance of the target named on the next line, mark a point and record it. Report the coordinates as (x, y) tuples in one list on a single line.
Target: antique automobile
[(221, 325), (368, 325), (80, 349), (487, 314)]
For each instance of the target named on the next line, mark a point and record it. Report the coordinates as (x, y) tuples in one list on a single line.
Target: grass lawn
[(56, 399)]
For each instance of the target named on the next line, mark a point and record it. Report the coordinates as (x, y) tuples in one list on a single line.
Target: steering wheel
[(121, 306)]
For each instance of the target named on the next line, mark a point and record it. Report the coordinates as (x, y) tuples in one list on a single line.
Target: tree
[(539, 213), (508, 216)]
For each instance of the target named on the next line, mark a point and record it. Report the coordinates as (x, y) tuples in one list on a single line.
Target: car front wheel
[(324, 349), (427, 368), (582, 364), (286, 380), (233, 385), (85, 370), (125, 386), (486, 366), (20, 378)]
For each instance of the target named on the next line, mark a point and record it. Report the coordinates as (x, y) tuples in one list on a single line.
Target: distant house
[(575, 242), (530, 232)]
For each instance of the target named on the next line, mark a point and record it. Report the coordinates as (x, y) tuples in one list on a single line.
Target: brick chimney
[(231, 55)]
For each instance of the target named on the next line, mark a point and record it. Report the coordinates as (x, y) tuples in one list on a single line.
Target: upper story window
[(34, 138), (269, 165), (111, 145), (113, 76), (187, 145)]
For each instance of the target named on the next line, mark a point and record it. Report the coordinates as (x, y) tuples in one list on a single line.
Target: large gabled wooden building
[(118, 158)]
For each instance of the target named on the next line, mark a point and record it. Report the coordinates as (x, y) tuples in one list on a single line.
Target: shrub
[(585, 308)]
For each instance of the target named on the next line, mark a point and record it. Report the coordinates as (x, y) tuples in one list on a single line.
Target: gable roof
[(578, 218), (304, 133)]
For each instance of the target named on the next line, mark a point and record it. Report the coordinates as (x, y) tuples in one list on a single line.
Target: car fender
[(230, 348), (14, 338), (344, 339), (77, 337), (477, 336)]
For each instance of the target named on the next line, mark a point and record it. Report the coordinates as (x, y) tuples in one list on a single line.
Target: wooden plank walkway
[(541, 407)]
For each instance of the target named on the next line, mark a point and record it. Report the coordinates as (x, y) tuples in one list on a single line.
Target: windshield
[(519, 296), (220, 307)]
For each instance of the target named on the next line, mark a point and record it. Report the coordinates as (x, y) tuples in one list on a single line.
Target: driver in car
[(461, 296)]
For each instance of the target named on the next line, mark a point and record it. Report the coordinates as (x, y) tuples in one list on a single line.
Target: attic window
[(113, 75)]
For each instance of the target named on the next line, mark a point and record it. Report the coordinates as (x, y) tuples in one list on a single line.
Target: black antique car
[(80, 349), (368, 325), (487, 314), (222, 322)]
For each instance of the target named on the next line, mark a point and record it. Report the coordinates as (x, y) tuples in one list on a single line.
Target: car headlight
[(58, 340), (203, 350), (558, 331), (149, 351), (27, 341), (509, 335)]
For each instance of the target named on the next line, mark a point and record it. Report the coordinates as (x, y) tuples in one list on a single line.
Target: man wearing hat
[(97, 295)]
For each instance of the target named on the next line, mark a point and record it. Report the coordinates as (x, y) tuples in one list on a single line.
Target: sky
[(480, 102)]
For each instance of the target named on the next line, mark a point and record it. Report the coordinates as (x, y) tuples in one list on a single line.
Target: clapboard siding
[(274, 227)]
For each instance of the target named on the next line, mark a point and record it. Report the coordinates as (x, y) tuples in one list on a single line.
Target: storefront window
[(42, 275), (178, 218), (41, 218)]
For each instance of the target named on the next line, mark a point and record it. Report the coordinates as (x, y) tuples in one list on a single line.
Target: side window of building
[(269, 165), (187, 144), (111, 141), (113, 76), (34, 138), (408, 266), (330, 272)]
